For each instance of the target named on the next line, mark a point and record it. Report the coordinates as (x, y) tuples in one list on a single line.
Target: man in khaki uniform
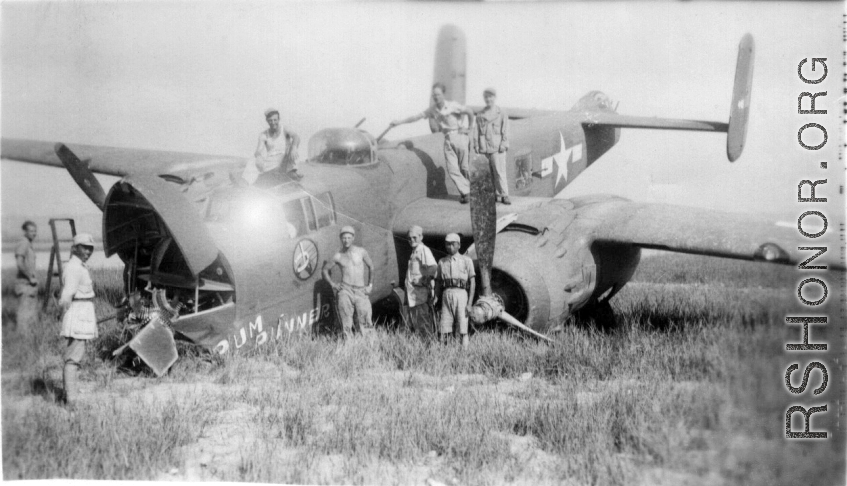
[(351, 295), (26, 283), (447, 116), (79, 324), (455, 282), (491, 139), (420, 282)]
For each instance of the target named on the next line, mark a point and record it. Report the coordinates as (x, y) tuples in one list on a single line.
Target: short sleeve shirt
[(421, 264), (25, 250), (448, 117), (456, 267)]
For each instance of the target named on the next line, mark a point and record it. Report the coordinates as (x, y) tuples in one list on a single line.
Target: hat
[(489, 90), (271, 111), (84, 239), (348, 229), (416, 230), (452, 237)]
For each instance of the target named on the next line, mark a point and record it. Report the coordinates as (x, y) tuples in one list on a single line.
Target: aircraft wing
[(707, 232), (118, 161), (604, 218)]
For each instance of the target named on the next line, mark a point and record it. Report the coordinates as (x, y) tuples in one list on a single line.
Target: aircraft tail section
[(741, 91), (450, 64)]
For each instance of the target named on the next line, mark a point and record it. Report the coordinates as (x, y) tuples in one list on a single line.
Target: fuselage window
[(310, 213), (294, 216), (324, 210)]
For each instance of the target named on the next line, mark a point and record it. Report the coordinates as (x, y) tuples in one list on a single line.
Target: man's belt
[(454, 131), (83, 299), (454, 283)]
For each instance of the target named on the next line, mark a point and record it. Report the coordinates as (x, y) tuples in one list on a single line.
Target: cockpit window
[(342, 146)]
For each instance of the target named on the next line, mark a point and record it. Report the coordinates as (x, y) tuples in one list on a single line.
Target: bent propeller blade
[(82, 175), (508, 319), (483, 218)]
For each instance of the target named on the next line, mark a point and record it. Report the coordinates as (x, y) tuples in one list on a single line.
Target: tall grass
[(686, 387)]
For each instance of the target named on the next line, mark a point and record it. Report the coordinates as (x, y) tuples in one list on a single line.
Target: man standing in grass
[(351, 295), (26, 283), (420, 283), (454, 281), (79, 324)]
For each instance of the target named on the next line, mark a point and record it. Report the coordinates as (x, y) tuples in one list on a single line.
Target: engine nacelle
[(555, 275)]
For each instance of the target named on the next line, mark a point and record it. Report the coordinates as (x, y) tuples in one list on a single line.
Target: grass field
[(688, 388)]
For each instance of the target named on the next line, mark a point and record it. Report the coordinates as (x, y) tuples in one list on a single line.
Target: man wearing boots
[(79, 324)]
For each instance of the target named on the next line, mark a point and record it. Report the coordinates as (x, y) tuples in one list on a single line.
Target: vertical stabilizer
[(740, 110), (450, 63)]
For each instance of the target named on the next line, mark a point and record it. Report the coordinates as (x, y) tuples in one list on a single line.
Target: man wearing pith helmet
[(351, 295), (79, 324), (454, 281)]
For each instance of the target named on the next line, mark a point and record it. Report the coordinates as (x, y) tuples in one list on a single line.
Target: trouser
[(72, 356), (497, 162), (454, 308), (421, 319), (353, 301), (26, 314), (456, 148)]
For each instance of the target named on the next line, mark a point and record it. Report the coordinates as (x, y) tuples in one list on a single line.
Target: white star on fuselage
[(561, 162)]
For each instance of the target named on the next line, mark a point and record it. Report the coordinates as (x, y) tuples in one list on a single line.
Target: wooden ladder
[(55, 255)]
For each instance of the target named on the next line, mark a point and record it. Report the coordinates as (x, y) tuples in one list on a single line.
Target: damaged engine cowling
[(543, 275)]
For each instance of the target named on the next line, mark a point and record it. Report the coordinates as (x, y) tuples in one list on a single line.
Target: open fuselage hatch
[(156, 231)]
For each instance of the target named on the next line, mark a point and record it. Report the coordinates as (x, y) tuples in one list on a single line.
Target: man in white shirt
[(447, 115), (79, 323), (276, 151), (420, 283)]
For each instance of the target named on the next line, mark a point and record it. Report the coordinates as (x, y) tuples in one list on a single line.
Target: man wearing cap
[(491, 139), (447, 116), (455, 282), (420, 281), (276, 151), (79, 323), (26, 283), (351, 295)]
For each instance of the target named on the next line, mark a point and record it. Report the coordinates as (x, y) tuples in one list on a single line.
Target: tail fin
[(741, 91), (450, 64)]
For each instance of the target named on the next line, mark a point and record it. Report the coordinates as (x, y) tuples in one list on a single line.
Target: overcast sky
[(197, 77)]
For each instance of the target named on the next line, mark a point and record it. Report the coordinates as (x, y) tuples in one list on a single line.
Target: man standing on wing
[(79, 324), (491, 139), (447, 115), (420, 282), (351, 295), (26, 283), (455, 282)]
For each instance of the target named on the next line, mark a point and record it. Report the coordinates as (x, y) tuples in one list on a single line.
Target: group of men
[(79, 322), (466, 132), (449, 280)]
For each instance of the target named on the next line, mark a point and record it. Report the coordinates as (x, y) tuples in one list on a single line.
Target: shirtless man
[(351, 295)]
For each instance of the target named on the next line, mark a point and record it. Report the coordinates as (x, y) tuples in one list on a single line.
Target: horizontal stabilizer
[(629, 121)]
